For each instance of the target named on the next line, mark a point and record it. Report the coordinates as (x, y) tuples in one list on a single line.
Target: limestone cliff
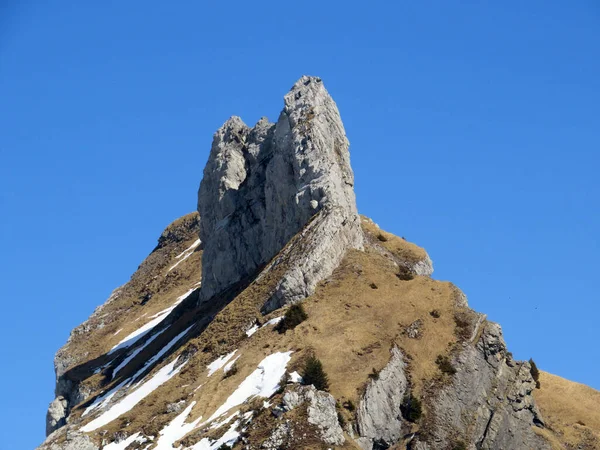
[(263, 185), (206, 347)]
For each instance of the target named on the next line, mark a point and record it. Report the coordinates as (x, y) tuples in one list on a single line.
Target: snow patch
[(123, 444), (103, 400), (134, 354), (191, 247), (138, 334), (229, 438), (263, 382), (230, 364), (160, 354), (176, 429), (157, 318), (295, 377), (185, 254), (132, 399), (274, 321), (224, 422), (252, 330), (219, 362), (255, 327)]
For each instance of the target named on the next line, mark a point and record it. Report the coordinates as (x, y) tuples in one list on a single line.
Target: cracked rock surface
[(263, 185)]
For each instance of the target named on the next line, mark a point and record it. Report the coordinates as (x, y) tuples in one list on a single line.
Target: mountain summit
[(276, 317), (263, 185)]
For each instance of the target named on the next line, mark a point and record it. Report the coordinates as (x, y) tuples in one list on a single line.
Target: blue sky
[(474, 130)]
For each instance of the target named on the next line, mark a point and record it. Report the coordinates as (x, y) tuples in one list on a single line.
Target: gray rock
[(71, 441), (312, 256), (423, 267), (282, 434), (378, 414), (414, 330), (63, 358), (321, 411), (176, 407), (56, 415), (488, 403), (264, 185)]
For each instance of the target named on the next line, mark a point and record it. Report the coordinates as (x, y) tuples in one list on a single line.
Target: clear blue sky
[(474, 130)]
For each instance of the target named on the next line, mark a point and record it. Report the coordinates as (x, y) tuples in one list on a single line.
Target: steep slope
[(262, 185), (571, 411), (170, 362)]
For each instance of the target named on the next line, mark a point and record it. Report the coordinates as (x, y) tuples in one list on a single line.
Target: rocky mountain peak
[(378, 355), (263, 185)]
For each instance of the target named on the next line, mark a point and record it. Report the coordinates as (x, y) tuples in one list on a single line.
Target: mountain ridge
[(383, 328)]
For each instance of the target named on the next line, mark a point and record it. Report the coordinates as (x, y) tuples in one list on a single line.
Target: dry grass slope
[(354, 318), (571, 410)]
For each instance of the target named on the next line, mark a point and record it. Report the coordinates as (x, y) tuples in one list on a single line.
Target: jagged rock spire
[(262, 186)]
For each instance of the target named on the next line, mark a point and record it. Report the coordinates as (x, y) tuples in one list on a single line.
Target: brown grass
[(151, 289), (398, 246), (565, 406), (351, 328)]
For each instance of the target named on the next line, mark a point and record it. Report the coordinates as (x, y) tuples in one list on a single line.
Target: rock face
[(489, 402), (263, 185), (378, 418), (57, 414), (74, 441), (320, 409)]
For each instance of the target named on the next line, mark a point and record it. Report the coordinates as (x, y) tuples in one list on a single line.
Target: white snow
[(230, 437), (186, 254), (255, 327), (132, 399), (274, 321), (252, 330), (230, 364), (118, 331), (219, 362), (159, 355), (123, 444), (134, 354), (138, 334), (177, 302), (176, 429), (263, 382), (224, 422), (295, 377), (157, 318), (104, 399), (191, 247)]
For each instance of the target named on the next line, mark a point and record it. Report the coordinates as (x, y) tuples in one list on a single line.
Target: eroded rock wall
[(263, 185)]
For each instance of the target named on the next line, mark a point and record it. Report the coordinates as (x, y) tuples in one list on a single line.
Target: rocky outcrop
[(378, 416), (408, 257), (320, 410), (71, 441), (56, 415), (264, 185), (488, 404)]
